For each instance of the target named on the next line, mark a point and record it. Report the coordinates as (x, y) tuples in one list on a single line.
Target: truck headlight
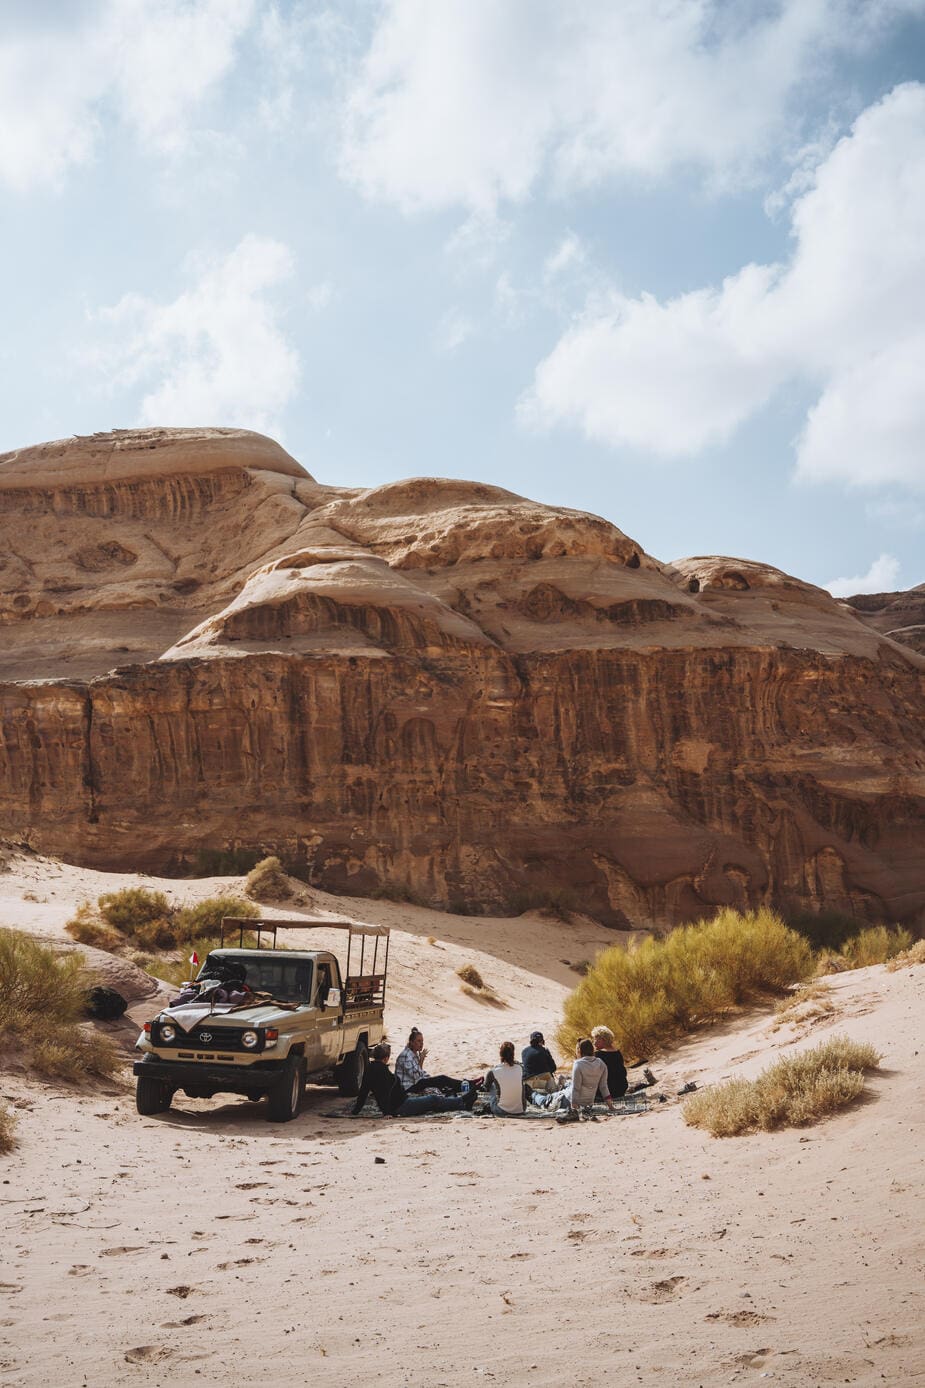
[(249, 1040), (167, 1032)]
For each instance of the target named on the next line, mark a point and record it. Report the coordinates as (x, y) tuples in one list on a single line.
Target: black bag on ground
[(105, 1004)]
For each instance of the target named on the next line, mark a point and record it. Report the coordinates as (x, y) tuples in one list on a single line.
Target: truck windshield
[(290, 980)]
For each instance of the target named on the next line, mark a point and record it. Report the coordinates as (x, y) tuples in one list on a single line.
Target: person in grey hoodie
[(588, 1083)]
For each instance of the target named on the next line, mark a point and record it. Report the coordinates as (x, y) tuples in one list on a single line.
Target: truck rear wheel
[(152, 1095), (352, 1073), (286, 1095)]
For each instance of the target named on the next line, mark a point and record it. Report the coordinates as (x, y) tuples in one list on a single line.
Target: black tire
[(351, 1074), (152, 1095), (285, 1098)]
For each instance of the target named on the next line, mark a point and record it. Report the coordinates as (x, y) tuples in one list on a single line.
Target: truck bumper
[(251, 1080)]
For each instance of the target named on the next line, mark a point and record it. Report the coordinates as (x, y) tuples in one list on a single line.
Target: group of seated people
[(598, 1073)]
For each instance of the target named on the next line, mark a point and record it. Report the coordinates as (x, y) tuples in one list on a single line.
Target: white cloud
[(881, 577), (214, 355), (569, 253), (845, 314), (452, 331), (471, 102), (151, 67)]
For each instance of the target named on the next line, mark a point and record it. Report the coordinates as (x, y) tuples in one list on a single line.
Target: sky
[(663, 260)]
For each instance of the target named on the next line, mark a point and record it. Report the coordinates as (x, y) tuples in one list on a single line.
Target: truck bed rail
[(363, 988)]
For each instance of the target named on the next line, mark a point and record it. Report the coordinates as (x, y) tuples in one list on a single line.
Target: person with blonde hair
[(606, 1051)]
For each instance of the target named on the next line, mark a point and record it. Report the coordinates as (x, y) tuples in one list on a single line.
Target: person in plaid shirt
[(410, 1072)]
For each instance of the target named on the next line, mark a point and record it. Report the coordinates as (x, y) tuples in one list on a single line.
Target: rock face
[(437, 687), (899, 615)]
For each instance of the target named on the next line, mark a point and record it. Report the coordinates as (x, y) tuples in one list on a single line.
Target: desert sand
[(207, 1245)]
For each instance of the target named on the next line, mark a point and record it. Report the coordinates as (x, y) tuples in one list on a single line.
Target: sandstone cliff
[(436, 686)]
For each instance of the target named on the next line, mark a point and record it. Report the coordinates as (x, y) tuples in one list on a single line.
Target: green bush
[(42, 999), (792, 1092), (141, 914), (204, 920), (660, 989), (875, 945)]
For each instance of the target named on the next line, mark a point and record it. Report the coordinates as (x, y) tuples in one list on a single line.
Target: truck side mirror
[(332, 998)]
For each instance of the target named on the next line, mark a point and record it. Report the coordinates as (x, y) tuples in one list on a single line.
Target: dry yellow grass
[(268, 882), (915, 955), (88, 928), (806, 1003), (470, 974), (651, 994), (42, 1001), (875, 945), (794, 1091), (7, 1130)]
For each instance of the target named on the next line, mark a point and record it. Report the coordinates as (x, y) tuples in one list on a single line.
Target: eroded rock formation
[(438, 687)]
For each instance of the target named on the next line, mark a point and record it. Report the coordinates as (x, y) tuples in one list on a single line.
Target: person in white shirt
[(505, 1083)]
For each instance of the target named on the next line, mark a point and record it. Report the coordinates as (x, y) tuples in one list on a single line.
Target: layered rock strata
[(440, 688)]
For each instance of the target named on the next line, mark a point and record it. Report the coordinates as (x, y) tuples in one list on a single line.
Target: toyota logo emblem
[(205, 1036)]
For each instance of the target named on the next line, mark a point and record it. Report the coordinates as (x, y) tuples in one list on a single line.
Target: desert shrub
[(915, 955), (661, 988), (7, 1130), (86, 927), (470, 974), (267, 881), (142, 915), (34, 981), (792, 1092), (875, 945), (42, 998), (204, 920)]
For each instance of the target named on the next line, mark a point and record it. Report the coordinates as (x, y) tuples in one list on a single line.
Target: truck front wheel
[(352, 1073), (286, 1095), (152, 1095)]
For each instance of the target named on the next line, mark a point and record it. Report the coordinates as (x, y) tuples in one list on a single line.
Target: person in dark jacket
[(539, 1066), (393, 1098)]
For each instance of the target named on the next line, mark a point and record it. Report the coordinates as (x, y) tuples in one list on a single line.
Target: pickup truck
[(299, 1018)]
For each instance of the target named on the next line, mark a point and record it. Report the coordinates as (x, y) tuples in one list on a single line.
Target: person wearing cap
[(539, 1066)]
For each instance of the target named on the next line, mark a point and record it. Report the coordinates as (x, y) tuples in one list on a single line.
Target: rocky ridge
[(437, 687)]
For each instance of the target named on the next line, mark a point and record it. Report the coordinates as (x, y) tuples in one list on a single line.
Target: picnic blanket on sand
[(623, 1108)]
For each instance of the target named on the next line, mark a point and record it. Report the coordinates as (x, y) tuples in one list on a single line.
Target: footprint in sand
[(115, 1252), (182, 1292), (740, 1318), (180, 1325), (660, 1292), (147, 1354)]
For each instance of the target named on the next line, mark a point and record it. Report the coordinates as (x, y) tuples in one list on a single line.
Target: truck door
[(330, 1025)]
